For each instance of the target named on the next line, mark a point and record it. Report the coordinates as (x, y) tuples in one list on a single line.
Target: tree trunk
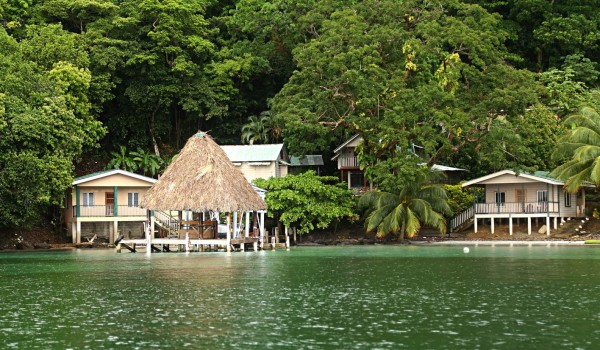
[(151, 130), (402, 229)]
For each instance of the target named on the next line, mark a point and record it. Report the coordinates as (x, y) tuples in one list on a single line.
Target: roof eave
[(114, 172), (511, 172), (346, 143)]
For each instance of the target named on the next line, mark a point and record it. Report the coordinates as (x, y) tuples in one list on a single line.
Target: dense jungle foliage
[(481, 85)]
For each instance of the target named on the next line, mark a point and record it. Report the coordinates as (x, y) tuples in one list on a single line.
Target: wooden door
[(109, 202)]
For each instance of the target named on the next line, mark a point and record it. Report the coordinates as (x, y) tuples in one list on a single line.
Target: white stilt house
[(510, 195)]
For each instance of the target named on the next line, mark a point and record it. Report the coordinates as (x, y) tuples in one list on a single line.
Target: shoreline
[(475, 243), (506, 243)]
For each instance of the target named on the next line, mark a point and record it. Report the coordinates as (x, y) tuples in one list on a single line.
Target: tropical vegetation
[(404, 200), (307, 201), (581, 149), (481, 85)]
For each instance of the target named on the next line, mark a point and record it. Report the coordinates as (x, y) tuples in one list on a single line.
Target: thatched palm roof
[(201, 178)]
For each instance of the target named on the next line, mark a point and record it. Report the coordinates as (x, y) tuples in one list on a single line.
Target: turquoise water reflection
[(306, 298)]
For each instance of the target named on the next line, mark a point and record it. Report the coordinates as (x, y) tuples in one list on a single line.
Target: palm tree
[(404, 210), (121, 160), (582, 146), (258, 129), (148, 162)]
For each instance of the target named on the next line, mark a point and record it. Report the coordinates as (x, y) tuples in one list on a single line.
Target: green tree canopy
[(308, 201), (581, 147), (404, 200), (45, 124)]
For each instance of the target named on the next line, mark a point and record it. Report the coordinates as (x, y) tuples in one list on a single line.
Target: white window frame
[(567, 199), (544, 196), (88, 199), (133, 199), (500, 198)]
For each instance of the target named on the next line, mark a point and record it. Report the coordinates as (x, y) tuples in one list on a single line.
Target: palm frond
[(575, 181), (413, 225), (377, 216)]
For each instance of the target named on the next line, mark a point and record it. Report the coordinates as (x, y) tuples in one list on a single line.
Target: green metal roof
[(83, 177), (104, 173), (306, 160)]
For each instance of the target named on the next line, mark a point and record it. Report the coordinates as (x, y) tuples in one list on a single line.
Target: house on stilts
[(508, 195), (202, 182)]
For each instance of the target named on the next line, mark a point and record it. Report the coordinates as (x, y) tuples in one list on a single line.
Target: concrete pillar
[(115, 232), (555, 223), (492, 227), (510, 225), (475, 223), (529, 225), (547, 226), (74, 232), (78, 235)]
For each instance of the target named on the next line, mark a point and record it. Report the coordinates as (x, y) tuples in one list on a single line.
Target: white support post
[(475, 223), (148, 233), (555, 223), (114, 233), (187, 242), (262, 229), (78, 234), (247, 228), (235, 225), (74, 232), (153, 227), (547, 226), (255, 246), (510, 225), (529, 225), (228, 233), (492, 227)]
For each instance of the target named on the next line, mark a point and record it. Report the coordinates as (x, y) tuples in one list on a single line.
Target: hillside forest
[(480, 85)]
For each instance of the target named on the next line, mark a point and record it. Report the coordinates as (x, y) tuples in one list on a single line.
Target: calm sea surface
[(411, 297)]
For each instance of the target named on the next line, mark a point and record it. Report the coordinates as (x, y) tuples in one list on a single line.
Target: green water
[(307, 298)]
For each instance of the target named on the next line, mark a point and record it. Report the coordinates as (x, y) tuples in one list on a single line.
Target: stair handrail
[(168, 221), (461, 218)]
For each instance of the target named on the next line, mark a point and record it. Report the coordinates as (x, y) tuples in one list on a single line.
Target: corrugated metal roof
[(253, 153), (541, 176), (307, 160), (97, 173), (445, 168)]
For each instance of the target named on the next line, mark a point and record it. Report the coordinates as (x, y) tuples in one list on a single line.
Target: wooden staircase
[(463, 219), (166, 223)]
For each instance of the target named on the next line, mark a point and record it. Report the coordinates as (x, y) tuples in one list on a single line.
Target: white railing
[(517, 208), (167, 221), (462, 218), (108, 210)]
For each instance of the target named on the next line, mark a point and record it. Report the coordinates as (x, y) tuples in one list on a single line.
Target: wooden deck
[(159, 244)]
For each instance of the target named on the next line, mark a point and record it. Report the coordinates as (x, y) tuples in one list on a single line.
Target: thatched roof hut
[(201, 178)]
